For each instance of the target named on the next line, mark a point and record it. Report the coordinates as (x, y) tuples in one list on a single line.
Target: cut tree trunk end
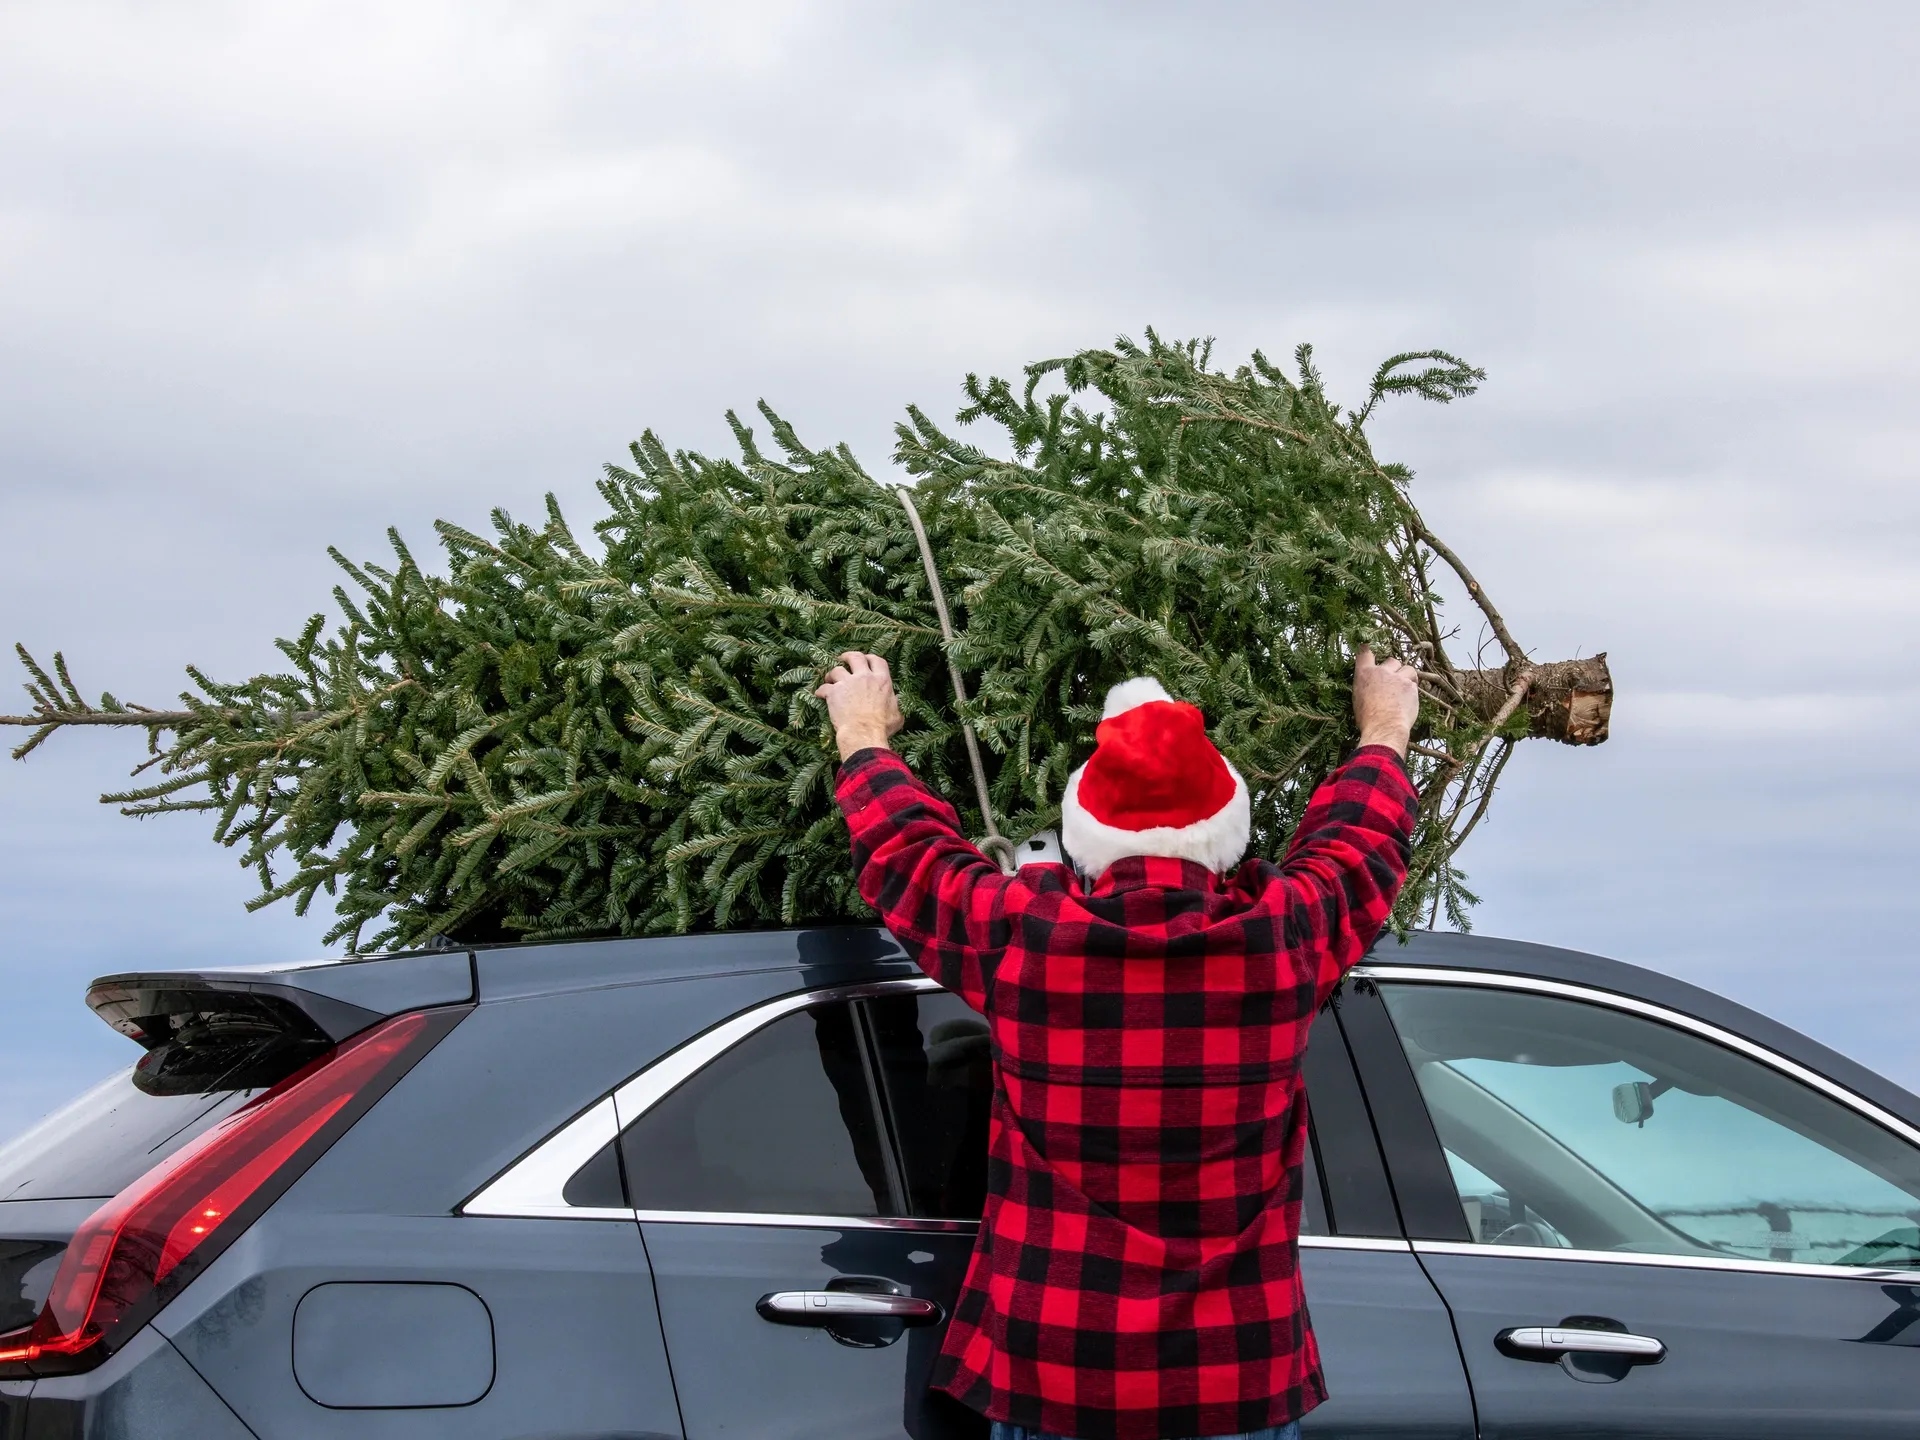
[(1569, 700)]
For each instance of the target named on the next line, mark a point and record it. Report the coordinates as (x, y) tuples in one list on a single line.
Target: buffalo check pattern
[(1137, 1272)]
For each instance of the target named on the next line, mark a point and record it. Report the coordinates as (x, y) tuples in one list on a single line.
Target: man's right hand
[(1386, 701), (861, 703)]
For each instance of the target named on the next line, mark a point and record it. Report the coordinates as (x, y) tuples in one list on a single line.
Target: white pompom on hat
[(1156, 785)]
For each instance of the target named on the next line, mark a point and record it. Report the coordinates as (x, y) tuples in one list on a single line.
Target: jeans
[(1004, 1431)]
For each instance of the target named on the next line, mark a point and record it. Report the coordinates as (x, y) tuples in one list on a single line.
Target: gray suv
[(727, 1185)]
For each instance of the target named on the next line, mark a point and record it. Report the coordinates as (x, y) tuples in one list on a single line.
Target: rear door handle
[(827, 1307), (1550, 1342)]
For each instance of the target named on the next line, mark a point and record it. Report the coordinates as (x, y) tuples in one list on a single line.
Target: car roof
[(826, 955)]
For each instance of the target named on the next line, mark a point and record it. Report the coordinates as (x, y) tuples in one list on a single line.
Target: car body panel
[(1374, 1302), (571, 1304), (1753, 1348), (500, 1083), (610, 1313), (1749, 1356), (824, 955), (146, 1391), (14, 1395), (794, 1381)]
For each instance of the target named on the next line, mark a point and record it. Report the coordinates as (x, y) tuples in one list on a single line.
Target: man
[(1137, 1272)]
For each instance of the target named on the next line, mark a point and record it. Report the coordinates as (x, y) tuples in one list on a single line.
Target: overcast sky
[(275, 276)]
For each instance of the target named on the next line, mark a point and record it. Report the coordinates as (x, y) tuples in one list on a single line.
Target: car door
[(1387, 1348), (1645, 1225), (803, 1269), (828, 1152)]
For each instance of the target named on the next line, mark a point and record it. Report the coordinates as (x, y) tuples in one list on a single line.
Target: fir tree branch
[(1515, 655), (543, 741)]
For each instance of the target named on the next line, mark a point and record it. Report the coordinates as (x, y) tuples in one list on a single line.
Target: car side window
[(1569, 1124), (936, 1070), (782, 1124)]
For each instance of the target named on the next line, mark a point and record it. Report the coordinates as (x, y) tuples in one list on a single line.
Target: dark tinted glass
[(782, 1124), (597, 1184), (105, 1140), (26, 1274), (936, 1063), (1313, 1198)]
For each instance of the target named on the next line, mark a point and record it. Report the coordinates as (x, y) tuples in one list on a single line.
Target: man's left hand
[(861, 703)]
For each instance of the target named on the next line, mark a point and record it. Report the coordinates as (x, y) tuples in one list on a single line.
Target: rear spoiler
[(319, 1001)]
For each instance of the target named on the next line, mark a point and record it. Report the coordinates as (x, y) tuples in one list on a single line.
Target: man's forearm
[(1395, 737), (852, 739)]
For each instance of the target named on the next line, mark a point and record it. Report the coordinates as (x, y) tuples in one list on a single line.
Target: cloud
[(1744, 720), (281, 274)]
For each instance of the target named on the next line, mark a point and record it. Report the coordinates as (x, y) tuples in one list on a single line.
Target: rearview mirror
[(1633, 1101)]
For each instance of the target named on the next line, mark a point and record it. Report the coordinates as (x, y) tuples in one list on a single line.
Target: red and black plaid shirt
[(1137, 1273)]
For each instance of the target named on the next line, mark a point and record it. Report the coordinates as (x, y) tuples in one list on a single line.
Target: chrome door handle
[(1550, 1342), (825, 1307)]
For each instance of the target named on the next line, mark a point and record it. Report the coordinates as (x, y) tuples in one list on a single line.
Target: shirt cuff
[(1399, 760), (865, 760)]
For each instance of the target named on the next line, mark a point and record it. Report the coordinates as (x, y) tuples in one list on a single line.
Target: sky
[(276, 276)]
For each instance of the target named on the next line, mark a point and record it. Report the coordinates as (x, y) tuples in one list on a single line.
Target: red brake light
[(139, 1249)]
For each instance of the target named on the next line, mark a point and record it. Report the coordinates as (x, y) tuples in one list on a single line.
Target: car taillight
[(139, 1250)]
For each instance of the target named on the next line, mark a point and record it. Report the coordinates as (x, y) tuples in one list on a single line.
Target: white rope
[(995, 844)]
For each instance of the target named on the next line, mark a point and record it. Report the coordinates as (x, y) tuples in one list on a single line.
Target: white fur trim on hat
[(1129, 694), (1217, 842)]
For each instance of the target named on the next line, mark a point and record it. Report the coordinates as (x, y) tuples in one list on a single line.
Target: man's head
[(1154, 786)]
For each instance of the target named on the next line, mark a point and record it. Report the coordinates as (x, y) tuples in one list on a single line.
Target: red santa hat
[(1155, 786)]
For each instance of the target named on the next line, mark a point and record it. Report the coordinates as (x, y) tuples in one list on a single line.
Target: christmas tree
[(555, 738)]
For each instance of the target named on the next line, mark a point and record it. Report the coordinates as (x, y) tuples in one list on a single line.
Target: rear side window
[(802, 1118), (781, 1124)]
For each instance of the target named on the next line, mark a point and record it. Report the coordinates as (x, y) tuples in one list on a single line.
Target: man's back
[(1160, 1081), (1137, 1272)]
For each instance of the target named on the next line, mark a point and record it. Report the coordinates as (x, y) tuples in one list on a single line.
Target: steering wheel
[(1526, 1232)]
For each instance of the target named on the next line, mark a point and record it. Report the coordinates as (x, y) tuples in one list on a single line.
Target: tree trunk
[(1569, 700)]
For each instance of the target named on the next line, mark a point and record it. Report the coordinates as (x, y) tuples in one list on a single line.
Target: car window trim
[(797, 1222), (1355, 1242), (1679, 1019), (1670, 1262), (533, 1186)]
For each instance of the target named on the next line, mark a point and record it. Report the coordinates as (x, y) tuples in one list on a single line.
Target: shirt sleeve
[(944, 901), (1346, 864)]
